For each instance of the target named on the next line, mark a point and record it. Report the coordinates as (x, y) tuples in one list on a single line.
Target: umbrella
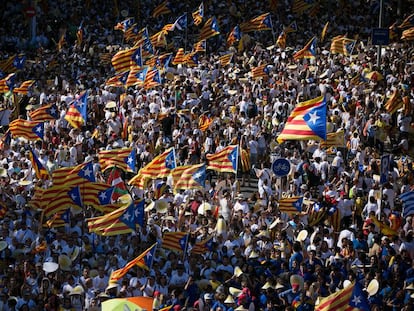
[(374, 75), (128, 304)]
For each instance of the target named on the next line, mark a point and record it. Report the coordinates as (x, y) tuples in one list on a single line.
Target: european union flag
[(87, 172)]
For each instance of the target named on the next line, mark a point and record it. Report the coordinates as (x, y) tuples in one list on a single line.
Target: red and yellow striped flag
[(210, 29), (31, 130), (24, 87), (6, 65), (122, 60), (179, 57), (200, 46), (291, 205), (224, 160), (161, 9), (324, 31), (109, 224), (45, 113), (259, 23), (394, 102), (225, 59), (281, 40), (408, 34), (172, 240), (115, 157), (336, 139), (204, 122), (189, 176), (260, 71)]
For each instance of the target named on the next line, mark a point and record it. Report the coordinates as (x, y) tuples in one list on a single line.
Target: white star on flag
[(102, 196), (87, 172), (198, 175), (356, 300), (38, 129), (73, 197), (52, 111), (127, 216), (130, 160), (313, 117)]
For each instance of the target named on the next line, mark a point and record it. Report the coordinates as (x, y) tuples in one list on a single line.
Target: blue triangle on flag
[(316, 120), (87, 172)]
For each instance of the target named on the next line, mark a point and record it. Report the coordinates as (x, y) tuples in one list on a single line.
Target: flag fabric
[(245, 160), (77, 112), (30, 130), (124, 159), (105, 196), (61, 42), (119, 80), (307, 121), (129, 217), (308, 51), (300, 6), (144, 261), (79, 35), (342, 45), (6, 65), (75, 195), (137, 57), (159, 167), (408, 22), (152, 79), (291, 205), (40, 170), (24, 87), (191, 59), (136, 76), (122, 60), (385, 229), (109, 224), (161, 9), (293, 27), (45, 113), (181, 22), (179, 57), (198, 14), (115, 180), (140, 212), (408, 203), (336, 139), (358, 79), (176, 241), (225, 59), (281, 40), (260, 71), (7, 83), (324, 31), (210, 29), (351, 297), (234, 36), (224, 160), (73, 175), (159, 39), (200, 46), (259, 23), (408, 34), (204, 122), (394, 103), (125, 24), (189, 177), (202, 247)]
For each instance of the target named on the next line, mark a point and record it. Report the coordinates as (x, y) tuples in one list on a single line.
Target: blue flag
[(315, 118)]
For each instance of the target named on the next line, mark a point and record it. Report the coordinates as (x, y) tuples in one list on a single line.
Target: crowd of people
[(350, 228)]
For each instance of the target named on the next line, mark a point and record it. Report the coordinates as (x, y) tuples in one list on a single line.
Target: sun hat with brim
[(110, 105), (229, 299), (50, 267), (65, 263), (373, 287), (77, 290), (302, 235), (279, 286)]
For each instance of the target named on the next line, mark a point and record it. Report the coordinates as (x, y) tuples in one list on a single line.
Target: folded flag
[(291, 205), (234, 35), (40, 170), (77, 112), (308, 51)]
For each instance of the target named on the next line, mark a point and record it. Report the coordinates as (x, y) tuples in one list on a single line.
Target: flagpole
[(186, 246), (186, 33), (273, 31)]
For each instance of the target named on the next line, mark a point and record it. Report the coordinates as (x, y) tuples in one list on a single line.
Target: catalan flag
[(210, 29), (259, 23), (164, 60), (308, 51), (30, 130), (260, 71), (203, 247), (198, 14), (316, 214), (36, 200), (342, 45), (79, 35), (394, 32), (19, 61), (24, 87), (136, 76), (179, 57), (293, 27), (181, 22), (351, 297), (6, 65), (159, 167), (291, 205), (300, 6), (408, 22), (45, 113), (204, 122), (144, 261), (408, 203), (234, 36), (189, 177), (408, 34), (125, 24), (134, 34), (225, 59), (119, 80), (77, 112), (61, 42), (40, 170), (324, 31), (336, 139), (281, 40), (307, 121), (7, 83), (159, 39), (191, 59), (224, 160), (176, 241), (245, 160), (153, 79), (163, 8), (68, 176), (124, 159), (394, 102), (109, 224), (56, 220), (200, 46), (122, 60)]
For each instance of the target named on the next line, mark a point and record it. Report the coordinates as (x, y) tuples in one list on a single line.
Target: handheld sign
[(281, 167)]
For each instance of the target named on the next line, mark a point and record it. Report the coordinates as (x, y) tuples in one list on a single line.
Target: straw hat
[(241, 308), (50, 267), (65, 263), (24, 183), (302, 235), (253, 255), (77, 290), (237, 271), (229, 299), (111, 104), (373, 287), (347, 283), (111, 285)]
